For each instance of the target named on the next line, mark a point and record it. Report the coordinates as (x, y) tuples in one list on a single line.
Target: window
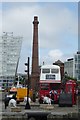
[(45, 70), (10, 85), (10, 80), (75, 58), (55, 86), (4, 80), (4, 84), (54, 70), (79, 77)]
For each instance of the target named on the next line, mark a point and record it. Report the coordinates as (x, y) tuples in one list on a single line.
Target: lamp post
[(27, 103)]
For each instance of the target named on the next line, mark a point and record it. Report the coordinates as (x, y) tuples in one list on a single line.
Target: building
[(72, 66), (68, 67), (61, 64), (10, 47), (77, 66)]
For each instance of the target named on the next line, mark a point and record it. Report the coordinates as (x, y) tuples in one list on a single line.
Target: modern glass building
[(77, 65), (72, 66), (10, 47)]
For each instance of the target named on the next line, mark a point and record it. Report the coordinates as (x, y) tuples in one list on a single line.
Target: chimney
[(35, 58)]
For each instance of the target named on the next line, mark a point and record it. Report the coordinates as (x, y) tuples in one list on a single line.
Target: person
[(6, 100), (55, 92), (25, 99), (41, 100), (52, 96), (12, 103), (47, 100)]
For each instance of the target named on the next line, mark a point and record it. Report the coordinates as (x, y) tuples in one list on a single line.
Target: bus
[(50, 81)]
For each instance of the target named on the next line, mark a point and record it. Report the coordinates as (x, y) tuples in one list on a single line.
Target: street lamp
[(27, 103)]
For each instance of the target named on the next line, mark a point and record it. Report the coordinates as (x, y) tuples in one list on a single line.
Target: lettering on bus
[(50, 77)]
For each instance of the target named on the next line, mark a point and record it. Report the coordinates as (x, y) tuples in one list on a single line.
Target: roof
[(50, 66)]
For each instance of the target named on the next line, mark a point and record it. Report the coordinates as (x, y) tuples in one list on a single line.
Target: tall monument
[(35, 58)]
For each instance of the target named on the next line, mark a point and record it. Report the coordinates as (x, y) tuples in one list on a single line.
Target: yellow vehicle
[(20, 93)]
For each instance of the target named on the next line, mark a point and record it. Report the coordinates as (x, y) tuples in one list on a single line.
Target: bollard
[(34, 97)]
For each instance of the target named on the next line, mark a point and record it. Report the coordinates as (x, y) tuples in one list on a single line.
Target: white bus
[(50, 73)]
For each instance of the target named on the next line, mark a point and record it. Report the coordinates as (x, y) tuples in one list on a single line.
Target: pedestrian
[(6, 102), (12, 103), (25, 99), (41, 99), (52, 96), (47, 100)]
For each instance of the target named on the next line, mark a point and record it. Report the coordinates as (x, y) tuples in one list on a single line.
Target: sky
[(57, 29)]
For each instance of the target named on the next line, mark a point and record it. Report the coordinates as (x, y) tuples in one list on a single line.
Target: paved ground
[(36, 106), (55, 107), (52, 108)]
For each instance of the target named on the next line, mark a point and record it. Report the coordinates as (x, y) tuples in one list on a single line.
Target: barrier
[(40, 115), (14, 116)]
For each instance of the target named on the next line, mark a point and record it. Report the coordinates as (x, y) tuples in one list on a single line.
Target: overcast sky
[(58, 28)]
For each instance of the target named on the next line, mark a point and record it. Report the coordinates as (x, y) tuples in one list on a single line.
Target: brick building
[(61, 64)]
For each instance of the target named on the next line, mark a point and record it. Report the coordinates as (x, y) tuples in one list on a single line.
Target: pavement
[(45, 107), (37, 106)]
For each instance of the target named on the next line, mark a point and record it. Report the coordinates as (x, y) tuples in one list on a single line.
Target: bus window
[(54, 70), (45, 70), (44, 86)]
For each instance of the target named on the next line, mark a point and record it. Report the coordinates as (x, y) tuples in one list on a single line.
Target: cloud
[(55, 54), (54, 20), (54, 26), (57, 28), (52, 56)]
